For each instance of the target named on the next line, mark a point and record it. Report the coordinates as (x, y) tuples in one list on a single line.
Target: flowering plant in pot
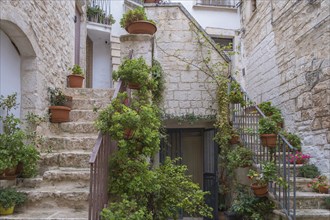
[(299, 157), (261, 179), (58, 111), (136, 22), (9, 198), (268, 132), (320, 184), (76, 78)]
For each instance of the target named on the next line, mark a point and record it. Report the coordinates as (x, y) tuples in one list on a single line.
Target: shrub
[(308, 171), (10, 197), (267, 126), (240, 157)]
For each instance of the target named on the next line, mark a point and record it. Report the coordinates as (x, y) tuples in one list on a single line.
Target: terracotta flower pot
[(128, 134), (234, 140), (268, 140), (59, 114), (134, 86), (259, 191), (141, 27), (8, 174), (324, 189), (75, 81)]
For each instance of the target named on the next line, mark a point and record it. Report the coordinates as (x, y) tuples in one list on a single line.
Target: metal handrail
[(246, 121)]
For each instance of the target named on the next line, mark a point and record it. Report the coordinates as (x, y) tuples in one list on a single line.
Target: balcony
[(98, 11), (219, 3)]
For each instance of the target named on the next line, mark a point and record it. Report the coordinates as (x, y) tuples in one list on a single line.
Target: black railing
[(221, 3), (98, 11), (245, 120)]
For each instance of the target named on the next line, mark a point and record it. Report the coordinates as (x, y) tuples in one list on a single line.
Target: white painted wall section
[(101, 65)]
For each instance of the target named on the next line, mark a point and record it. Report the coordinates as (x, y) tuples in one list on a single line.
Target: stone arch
[(22, 36)]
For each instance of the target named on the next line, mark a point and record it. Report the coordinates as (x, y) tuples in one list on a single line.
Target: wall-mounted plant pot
[(141, 27), (268, 140), (134, 86), (324, 189), (59, 114), (8, 211), (75, 81), (8, 174), (259, 191)]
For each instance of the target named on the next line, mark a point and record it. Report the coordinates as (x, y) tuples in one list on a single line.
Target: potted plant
[(234, 136), (268, 109), (268, 132), (136, 73), (58, 111), (320, 184), (76, 78), (293, 139), (298, 157), (261, 180), (136, 22), (308, 171), (327, 202), (9, 198), (240, 157), (236, 95)]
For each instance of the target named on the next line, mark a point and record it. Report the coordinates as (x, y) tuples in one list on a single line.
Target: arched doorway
[(10, 70)]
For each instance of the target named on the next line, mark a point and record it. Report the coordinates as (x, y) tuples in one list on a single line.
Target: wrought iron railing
[(245, 119), (98, 11), (221, 3)]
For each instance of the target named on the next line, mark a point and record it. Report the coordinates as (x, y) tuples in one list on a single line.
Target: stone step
[(312, 214), (47, 214), (310, 200), (73, 128), (79, 177), (62, 142), (77, 159), (50, 197), (83, 115), (89, 93), (89, 103)]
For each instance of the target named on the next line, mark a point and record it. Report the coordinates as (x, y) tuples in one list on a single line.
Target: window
[(224, 42), (224, 3)]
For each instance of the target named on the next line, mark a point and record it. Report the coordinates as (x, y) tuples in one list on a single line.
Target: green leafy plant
[(57, 97), (137, 14), (158, 77), (135, 71), (317, 182), (277, 118), (76, 70), (236, 95), (267, 126), (10, 197), (97, 14), (327, 202), (268, 173), (268, 109), (240, 157), (308, 171), (293, 139)]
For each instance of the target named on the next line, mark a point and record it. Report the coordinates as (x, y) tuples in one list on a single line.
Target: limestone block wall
[(297, 43), (188, 89), (48, 27)]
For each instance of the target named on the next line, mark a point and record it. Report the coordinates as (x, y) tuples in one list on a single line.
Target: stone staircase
[(62, 189)]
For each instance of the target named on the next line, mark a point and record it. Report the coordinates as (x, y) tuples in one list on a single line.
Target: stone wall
[(188, 89), (286, 52), (48, 26)]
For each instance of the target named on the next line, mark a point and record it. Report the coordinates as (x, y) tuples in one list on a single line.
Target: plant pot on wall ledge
[(268, 140), (75, 81), (59, 114), (141, 27)]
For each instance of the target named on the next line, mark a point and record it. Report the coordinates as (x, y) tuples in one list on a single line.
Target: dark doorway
[(200, 154)]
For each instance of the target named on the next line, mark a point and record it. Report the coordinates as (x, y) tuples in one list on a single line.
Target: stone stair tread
[(307, 195), (56, 189), (49, 214), (312, 213), (66, 152)]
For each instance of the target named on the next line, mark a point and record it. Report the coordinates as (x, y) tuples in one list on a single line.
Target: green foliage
[(76, 70), (236, 95), (57, 97), (189, 118), (267, 126), (318, 181), (15, 144), (293, 139), (268, 109), (308, 171), (10, 197), (239, 157), (97, 14), (158, 77), (135, 71), (277, 118), (251, 207), (327, 202), (137, 14)]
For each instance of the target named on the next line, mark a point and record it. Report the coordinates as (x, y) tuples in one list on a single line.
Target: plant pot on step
[(234, 140), (132, 85), (8, 211), (324, 189), (75, 81), (59, 114), (128, 134), (268, 140), (259, 191), (8, 174), (141, 27)]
